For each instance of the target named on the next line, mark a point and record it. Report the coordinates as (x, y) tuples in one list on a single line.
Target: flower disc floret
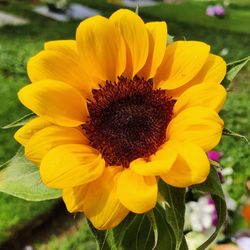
[(128, 120)]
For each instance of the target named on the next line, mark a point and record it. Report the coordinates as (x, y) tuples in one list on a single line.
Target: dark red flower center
[(128, 120)]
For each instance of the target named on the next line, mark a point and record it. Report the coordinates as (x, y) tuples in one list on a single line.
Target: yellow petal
[(101, 203), (137, 193), (136, 39), (191, 166), (158, 164), (65, 67), (211, 96), (74, 198), (213, 71), (55, 101), (71, 165), (199, 125), (157, 32), (67, 47), (182, 61), (24, 134), (101, 48), (50, 137)]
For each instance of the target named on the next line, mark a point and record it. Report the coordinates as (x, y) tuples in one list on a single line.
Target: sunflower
[(118, 109)]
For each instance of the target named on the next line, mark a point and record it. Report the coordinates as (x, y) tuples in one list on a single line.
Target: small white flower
[(227, 171), (231, 203), (200, 214)]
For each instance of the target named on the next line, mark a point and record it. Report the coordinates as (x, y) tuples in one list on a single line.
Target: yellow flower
[(116, 110)]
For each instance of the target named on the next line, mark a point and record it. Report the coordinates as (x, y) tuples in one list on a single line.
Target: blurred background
[(26, 24)]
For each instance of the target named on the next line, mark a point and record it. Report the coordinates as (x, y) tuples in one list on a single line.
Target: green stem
[(227, 131)]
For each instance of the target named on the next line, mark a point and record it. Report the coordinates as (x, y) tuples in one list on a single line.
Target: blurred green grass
[(16, 213), (17, 44), (78, 238)]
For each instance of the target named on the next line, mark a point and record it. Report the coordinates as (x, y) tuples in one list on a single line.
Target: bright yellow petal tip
[(191, 166), (137, 193)]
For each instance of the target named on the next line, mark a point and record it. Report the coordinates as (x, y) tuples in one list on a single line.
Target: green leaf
[(184, 245), (138, 236), (20, 122), (166, 235), (233, 70), (100, 237), (235, 67), (152, 219), (120, 231), (175, 213), (21, 178), (213, 186), (150, 231), (123, 236)]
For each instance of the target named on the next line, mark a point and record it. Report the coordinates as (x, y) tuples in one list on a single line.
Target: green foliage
[(21, 178), (175, 197), (236, 114), (100, 237), (236, 156)]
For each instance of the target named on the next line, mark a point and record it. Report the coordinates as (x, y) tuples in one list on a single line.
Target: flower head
[(116, 109)]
